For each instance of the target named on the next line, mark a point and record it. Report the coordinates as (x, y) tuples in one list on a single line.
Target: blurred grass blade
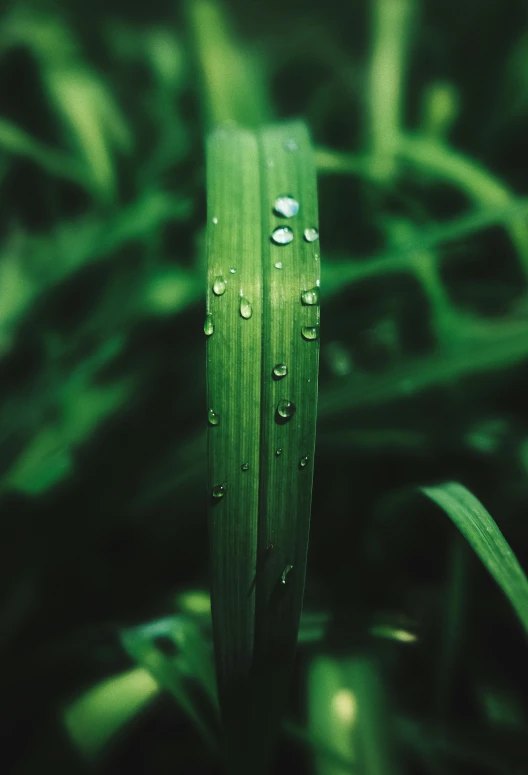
[(175, 654), (348, 714), (81, 98), (15, 141), (94, 718), (262, 424), (232, 76), (483, 534), (392, 22), (332, 716)]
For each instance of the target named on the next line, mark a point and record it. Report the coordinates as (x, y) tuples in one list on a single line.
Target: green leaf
[(187, 666), (485, 537), (15, 141), (348, 713), (97, 715), (259, 519), (233, 86)]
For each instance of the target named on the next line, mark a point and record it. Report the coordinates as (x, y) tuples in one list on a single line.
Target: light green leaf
[(96, 716)]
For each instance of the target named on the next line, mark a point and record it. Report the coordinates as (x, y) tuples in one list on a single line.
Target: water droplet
[(232, 270), (286, 206), (246, 309), (310, 297), (310, 332), (219, 490), (316, 256), (311, 235), (278, 265), (219, 286), (215, 220), (278, 452), (286, 408), (286, 574), (245, 466), (291, 145), (270, 546), (213, 418), (303, 462), (280, 370), (208, 325), (283, 235)]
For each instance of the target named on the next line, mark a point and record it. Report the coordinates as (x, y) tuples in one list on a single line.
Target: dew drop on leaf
[(215, 220), (310, 297), (232, 270), (282, 235), (219, 490), (286, 408), (310, 332), (280, 370), (303, 462), (219, 286), (245, 466), (278, 452), (291, 145), (246, 309), (278, 265), (213, 418), (208, 325), (286, 574), (286, 206), (311, 235)]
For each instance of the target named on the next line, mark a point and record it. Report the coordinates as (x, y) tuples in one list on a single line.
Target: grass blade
[(94, 718), (260, 500), (175, 654), (234, 354), (484, 536)]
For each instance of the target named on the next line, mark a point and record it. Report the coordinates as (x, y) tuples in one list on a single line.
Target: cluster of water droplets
[(285, 206)]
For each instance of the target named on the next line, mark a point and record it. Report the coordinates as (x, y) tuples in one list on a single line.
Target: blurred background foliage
[(410, 659)]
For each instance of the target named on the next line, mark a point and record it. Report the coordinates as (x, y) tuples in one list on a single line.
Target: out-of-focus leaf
[(486, 539), (188, 659), (94, 718), (15, 141), (94, 121), (80, 97), (348, 714), (30, 265), (232, 76)]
